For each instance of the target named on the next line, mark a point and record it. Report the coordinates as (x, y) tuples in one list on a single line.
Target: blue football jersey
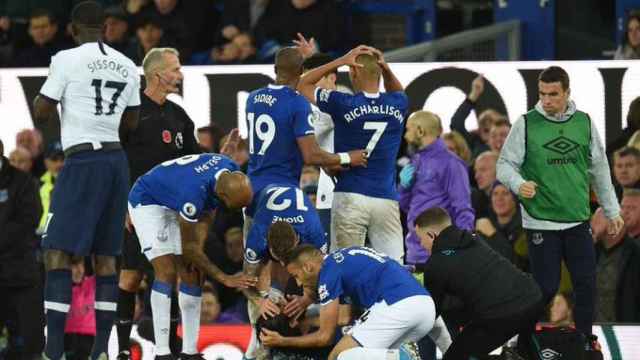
[(186, 185), (363, 277), (276, 117), (281, 202), (374, 122)]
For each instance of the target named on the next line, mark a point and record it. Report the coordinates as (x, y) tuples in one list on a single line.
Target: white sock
[(440, 335), (360, 353), (190, 301), (161, 311)]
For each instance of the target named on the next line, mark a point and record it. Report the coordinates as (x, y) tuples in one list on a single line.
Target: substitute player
[(284, 217), (281, 139), (97, 88), (365, 201), (171, 208), (164, 132), (398, 308)]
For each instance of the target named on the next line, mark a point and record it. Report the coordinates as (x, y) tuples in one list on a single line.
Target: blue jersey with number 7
[(374, 122), (276, 117)]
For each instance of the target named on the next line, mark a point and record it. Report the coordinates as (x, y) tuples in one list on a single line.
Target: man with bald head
[(435, 177), (365, 203), (484, 168), (171, 208)]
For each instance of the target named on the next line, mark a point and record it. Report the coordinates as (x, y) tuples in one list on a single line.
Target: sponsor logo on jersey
[(323, 293), (537, 238), (179, 140), (251, 255), (189, 209)]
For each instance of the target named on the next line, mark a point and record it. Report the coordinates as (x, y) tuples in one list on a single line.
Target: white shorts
[(158, 230), (389, 326), (354, 217)]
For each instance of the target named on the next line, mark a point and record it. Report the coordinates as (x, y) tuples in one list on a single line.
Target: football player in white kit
[(97, 87)]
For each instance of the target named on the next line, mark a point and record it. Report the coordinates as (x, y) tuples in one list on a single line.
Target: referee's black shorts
[(132, 256)]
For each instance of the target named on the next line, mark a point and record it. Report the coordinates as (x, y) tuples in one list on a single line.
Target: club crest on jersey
[(189, 209), (179, 140), (166, 136)]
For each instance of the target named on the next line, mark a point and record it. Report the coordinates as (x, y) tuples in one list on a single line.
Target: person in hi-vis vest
[(551, 158)]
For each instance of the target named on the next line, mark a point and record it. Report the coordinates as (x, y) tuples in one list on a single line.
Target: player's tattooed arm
[(322, 337), (193, 237), (44, 108)]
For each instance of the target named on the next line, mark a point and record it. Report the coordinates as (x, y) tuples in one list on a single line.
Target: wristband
[(345, 159)]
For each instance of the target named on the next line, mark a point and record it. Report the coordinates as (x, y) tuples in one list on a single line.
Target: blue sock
[(57, 300), (106, 305)]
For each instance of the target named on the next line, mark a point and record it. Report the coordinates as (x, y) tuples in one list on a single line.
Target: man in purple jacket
[(435, 177)]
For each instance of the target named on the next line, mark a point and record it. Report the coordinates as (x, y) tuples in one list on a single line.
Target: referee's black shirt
[(164, 132)]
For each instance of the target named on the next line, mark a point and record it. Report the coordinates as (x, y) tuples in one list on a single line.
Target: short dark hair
[(317, 60), (281, 239), (627, 151), (299, 251), (433, 216), (88, 13), (39, 12), (555, 74)]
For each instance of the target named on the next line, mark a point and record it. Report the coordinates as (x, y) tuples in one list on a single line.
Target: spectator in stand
[(20, 282), (211, 312), (31, 139), (626, 169), (485, 175), (116, 28), (617, 266), (560, 312), (458, 145), (318, 20), (188, 24), (205, 139), (498, 133), (54, 160), (503, 228), (80, 329), (478, 139), (240, 50), (310, 175), (633, 127), (15, 15), (149, 35), (435, 177), (631, 212), (20, 158), (43, 30), (630, 48), (239, 16)]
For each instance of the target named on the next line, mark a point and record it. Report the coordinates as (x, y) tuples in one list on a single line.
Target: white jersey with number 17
[(94, 84)]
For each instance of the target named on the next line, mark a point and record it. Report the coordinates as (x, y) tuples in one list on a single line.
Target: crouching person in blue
[(500, 301), (398, 309)]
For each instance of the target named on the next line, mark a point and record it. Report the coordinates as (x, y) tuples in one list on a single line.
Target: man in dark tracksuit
[(499, 300), (20, 282)]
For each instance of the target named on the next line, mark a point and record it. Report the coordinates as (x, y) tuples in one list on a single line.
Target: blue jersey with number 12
[(186, 185), (276, 117), (374, 122), (280, 202)]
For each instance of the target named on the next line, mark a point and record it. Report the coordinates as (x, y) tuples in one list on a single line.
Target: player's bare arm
[(255, 293), (44, 108), (314, 155), (323, 337), (391, 82), (307, 84), (193, 235), (296, 305)]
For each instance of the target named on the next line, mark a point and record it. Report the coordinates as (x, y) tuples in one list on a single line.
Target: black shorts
[(132, 256)]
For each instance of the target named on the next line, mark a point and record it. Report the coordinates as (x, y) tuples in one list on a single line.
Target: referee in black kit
[(165, 132)]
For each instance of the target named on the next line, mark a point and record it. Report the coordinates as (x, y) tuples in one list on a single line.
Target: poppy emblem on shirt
[(166, 136)]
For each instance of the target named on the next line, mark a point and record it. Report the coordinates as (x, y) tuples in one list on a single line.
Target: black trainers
[(124, 355), (197, 356)]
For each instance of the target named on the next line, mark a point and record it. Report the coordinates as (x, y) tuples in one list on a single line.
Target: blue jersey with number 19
[(365, 277), (186, 185), (374, 122), (276, 117)]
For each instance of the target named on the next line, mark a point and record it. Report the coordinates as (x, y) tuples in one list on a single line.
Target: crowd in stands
[(204, 31)]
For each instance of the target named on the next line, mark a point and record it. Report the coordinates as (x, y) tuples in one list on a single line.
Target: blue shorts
[(89, 204)]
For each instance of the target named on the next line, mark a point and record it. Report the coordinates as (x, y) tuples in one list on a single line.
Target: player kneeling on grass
[(171, 208), (399, 309)]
